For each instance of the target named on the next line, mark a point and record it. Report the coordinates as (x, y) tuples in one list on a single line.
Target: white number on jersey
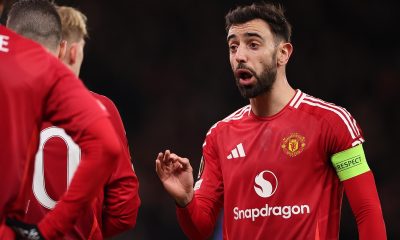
[(3, 43), (73, 158)]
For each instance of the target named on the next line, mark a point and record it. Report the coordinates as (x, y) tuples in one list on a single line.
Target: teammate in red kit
[(115, 209), (279, 165), (36, 87)]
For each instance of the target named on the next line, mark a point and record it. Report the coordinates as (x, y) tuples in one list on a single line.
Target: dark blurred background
[(165, 65)]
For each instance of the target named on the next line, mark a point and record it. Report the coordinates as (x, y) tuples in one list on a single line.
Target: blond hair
[(73, 23)]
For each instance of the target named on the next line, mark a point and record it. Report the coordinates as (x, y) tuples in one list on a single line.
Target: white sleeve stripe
[(234, 116), (238, 115), (300, 100), (354, 122), (355, 125), (340, 109), (335, 111), (295, 98), (356, 142)]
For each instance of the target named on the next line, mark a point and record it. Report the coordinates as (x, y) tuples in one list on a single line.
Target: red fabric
[(273, 175), (364, 201), (6, 232), (116, 206), (121, 193), (196, 223), (35, 87), (21, 110), (99, 151)]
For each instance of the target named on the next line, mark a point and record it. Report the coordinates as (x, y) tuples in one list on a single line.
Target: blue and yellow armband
[(350, 163)]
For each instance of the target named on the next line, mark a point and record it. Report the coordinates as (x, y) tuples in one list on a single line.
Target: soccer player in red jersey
[(115, 209), (36, 87), (279, 165)]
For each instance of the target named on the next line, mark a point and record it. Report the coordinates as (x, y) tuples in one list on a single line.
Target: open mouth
[(244, 75)]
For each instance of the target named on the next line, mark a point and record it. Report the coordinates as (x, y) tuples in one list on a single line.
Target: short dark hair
[(37, 20), (272, 14)]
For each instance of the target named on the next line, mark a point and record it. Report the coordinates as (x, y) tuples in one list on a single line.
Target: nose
[(241, 55)]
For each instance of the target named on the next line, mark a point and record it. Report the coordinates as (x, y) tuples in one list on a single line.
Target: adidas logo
[(237, 152)]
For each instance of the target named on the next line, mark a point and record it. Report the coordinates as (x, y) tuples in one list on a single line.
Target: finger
[(159, 170), (173, 157), (184, 163), (160, 156), (166, 156), (158, 166), (178, 161)]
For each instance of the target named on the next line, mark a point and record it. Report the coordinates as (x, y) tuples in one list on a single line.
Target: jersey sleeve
[(100, 148), (343, 143), (347, 156), (121, 193), (364, 202), (343, 132), (69, 105), (199, 217), (5, 231)]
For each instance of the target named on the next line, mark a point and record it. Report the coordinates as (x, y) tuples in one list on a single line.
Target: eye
[(233, 48), (253, 45)]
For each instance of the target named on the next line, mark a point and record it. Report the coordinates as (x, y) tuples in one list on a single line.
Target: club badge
[(294, 144)]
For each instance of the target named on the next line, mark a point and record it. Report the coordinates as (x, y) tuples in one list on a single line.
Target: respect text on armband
[(348, 163)]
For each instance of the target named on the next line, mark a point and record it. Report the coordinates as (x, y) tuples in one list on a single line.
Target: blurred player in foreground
[(36, 87), (279, 165), (115, 209)]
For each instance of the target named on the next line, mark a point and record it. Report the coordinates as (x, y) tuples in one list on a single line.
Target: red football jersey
[(34, 86), (273, 175), (56, 161)]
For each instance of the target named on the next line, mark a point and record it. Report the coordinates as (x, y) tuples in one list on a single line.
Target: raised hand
[(176, 175)]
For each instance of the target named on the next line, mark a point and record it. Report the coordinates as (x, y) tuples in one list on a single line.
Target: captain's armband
[(350, 163)]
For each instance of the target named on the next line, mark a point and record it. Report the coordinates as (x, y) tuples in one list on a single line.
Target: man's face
[(252, 54)]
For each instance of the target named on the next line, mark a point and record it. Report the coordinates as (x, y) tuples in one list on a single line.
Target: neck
[(275, 100)]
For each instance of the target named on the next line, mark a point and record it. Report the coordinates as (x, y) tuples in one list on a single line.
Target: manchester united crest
[(294, 144)]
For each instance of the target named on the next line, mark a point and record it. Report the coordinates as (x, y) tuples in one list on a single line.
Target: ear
[(285, 50), (73, 50), (63, 49)]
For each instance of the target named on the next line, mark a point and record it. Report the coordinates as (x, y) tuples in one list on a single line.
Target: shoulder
[(108, 105), (234, 118), (12, 41), (23, 49), (29, 61), (335, 116), (103, 99), (320, 108), (105, 102)]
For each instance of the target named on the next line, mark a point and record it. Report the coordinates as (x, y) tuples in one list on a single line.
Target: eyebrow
[(248, 34)]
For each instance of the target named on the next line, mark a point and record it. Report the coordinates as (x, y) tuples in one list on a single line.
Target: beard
[(264, 81)]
